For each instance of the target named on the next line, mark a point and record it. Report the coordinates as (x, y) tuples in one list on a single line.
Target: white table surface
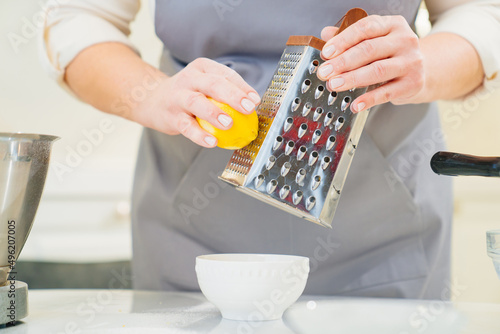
[(125, 311)]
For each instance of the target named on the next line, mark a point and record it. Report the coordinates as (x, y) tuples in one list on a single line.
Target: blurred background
[(81, 236)]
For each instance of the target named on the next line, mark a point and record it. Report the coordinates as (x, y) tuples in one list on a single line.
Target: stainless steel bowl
[(24, 162)]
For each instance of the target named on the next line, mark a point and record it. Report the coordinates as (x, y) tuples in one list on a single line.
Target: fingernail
[(254, 97), (328, 51), (224, 119), (360, 107), (210, 140), (336, 82), (325, 70), (248, 105)]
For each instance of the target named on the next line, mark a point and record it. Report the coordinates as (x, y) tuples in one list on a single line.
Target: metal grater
[(307, 137)]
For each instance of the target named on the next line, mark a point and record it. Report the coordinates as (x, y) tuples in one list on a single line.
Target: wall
[(84, 214)]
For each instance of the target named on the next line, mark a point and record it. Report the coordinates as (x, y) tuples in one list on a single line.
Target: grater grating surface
[(306, 141)]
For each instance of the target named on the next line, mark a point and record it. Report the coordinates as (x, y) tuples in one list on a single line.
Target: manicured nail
[(325, 70), (336, 82), (210, 140), (248, 105), (360, 107), (328, 51), (254, 97), (224, 120)]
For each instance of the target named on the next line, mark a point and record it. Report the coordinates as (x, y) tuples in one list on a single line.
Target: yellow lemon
[(244, 130)]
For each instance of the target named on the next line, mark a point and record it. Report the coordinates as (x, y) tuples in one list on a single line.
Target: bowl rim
[(285, 258), (22, 136)]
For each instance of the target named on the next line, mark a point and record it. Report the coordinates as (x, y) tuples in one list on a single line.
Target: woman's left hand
[(375, 50)]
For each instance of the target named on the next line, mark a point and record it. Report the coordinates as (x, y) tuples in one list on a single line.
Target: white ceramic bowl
[(252, 287)]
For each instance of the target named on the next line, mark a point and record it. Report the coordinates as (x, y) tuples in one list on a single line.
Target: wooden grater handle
[(352, 16)]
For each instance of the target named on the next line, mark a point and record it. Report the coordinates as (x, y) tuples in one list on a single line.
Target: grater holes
[(330, 142), (345, 103), (339, 123), (317, 114), (306, 85), (316, 136), (259, 180), (296, 104), (325, 162), (314, 66), (300, 177), (284, 191), (271, 186), (301, 153), (331, 98), (313, 157), (285, 168), (277, 143), (297, 197), (302, 130), (289, 147), (328, 119), (307, 108), (316, 182), (288, 124), (319, 91), (270, 162), (311, 201)]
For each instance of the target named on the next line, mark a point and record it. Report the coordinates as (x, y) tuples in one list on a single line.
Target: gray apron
[(391, 233)]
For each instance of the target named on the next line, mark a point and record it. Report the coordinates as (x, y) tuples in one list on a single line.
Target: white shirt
[(72, 26)]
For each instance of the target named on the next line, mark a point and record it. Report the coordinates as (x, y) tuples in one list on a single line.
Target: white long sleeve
[(72, 27), (479, 23)]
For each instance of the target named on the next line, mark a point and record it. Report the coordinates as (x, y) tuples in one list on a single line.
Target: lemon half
[(244, 130)]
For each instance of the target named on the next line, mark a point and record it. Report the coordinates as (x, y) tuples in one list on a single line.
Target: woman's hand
[(375, 50), (172, 107)]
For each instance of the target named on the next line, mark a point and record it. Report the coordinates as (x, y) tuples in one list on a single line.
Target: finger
[(196, 104), (189, 128), (222, 90), (328, 32), (358, 56), (383, 94), (366, 28), (209, 66), (374, 73)]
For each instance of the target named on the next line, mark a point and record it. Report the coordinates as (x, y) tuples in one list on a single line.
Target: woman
[(391, 234)]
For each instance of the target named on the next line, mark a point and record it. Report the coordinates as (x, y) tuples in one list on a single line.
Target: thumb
[(328, 32)]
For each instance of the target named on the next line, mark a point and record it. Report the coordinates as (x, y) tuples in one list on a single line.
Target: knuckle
[(184, 76), (386, 94), (367, 48), (230, 74), (192, 99), (339, 63), (184, 126), (200, 61), (412, 40), (400, 20), (213, 81), (363, 27), (341, 42), (418, 62), (352, 80), (419, 80), (211, 113), (380, 70)]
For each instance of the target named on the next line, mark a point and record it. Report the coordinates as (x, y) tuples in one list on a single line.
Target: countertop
[(126, 311)]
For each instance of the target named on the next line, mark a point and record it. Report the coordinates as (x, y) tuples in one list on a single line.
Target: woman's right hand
[(172, 106)]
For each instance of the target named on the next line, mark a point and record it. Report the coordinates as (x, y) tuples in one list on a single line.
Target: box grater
[(307, 136)]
